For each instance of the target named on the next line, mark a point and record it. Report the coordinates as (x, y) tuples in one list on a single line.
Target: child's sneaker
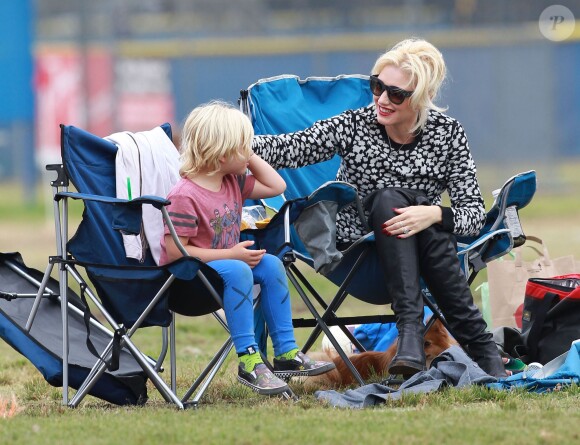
[(261, 380), (300, 365)]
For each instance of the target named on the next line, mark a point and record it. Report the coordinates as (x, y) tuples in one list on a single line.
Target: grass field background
[(232, 414)]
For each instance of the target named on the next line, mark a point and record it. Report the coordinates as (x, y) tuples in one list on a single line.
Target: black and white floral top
[(437, 161)]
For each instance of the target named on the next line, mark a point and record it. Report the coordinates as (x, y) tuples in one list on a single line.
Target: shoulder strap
[(533, 336)]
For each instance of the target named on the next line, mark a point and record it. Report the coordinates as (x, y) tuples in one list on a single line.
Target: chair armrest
[(155, 201), (468, 247), (497, 237), (340, 192), (516, 192), (126, 214)]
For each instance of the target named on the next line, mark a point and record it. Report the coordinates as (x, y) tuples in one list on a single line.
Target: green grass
[(474, 415), (278, 423), (231, 413), (14, 207)]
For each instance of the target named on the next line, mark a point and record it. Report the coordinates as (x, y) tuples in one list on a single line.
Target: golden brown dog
[(374, 363)]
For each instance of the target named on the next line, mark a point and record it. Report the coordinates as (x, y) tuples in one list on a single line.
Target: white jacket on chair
[(148, 163)]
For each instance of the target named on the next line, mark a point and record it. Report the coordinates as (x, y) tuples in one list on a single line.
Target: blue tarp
[(544, 380)]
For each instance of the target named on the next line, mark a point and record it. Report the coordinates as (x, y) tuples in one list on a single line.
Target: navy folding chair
[(287, 103), (129, 293), (32, 326)]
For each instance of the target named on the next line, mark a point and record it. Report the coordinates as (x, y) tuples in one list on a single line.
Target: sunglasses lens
[(376, 87), (397, 97)]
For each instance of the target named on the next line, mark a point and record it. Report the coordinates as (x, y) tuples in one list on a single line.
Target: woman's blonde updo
[(426, 68)]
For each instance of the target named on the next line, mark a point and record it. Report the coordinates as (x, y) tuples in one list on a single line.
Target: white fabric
[(151, 162)]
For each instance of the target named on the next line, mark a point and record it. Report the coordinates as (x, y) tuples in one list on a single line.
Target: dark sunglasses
[(396, 95)]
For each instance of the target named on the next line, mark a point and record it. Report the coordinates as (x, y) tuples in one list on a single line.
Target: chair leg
[(329, 309), (172, 354), (41, 294), (321, 325), (205, 378), (157, 381)]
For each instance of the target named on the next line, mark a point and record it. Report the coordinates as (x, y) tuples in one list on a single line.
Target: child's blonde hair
[(213, 131), (425, 65)]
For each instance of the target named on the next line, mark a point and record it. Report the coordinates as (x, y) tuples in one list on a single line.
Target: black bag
[(551, 316)]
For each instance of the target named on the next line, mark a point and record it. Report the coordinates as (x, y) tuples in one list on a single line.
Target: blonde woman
[(205, 209), (402, 153)]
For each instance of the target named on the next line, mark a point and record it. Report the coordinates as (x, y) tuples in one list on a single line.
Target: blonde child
[(218, 172)]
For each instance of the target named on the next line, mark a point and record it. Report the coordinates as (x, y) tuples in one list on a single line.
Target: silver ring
[(406, 230)]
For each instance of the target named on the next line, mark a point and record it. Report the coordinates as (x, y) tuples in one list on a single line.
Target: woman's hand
[(251, 257), (411, 220)]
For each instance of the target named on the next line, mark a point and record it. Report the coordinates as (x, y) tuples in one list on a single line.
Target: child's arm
[(239, 252), (268, 181)]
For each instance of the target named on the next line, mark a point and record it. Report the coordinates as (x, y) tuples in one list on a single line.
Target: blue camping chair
[(130, 294), (287, 103), (32, 326)]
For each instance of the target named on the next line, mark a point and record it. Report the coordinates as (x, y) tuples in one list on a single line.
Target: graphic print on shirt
[(226, 227), (216, 224)]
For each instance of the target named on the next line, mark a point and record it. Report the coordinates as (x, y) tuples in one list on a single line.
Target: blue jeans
[(239, 280)]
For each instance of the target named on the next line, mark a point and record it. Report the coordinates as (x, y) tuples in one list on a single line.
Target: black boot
[(443, 275), (399, 261), (487, 356), (410, 357)]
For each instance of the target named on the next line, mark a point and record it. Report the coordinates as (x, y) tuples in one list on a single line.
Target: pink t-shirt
[(210, 220)]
